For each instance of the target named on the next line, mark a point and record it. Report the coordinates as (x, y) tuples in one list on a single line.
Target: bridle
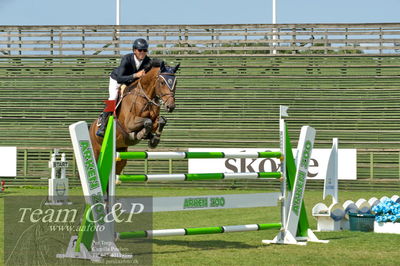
[(170, 81)]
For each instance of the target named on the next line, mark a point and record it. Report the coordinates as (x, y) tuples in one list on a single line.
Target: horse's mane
[(153, 63), (164, 68)]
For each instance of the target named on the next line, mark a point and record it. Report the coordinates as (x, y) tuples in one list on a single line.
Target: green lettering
[(195, 203), (84, 144), (306, 154), (298, 193)]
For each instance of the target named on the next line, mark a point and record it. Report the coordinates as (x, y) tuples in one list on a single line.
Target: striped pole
[(196, 155), (192, 177), (197, 231)]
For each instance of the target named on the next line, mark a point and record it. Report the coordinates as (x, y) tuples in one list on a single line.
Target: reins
[(143, 94)]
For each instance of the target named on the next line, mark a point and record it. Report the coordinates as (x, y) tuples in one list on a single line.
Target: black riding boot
[(102, 122)]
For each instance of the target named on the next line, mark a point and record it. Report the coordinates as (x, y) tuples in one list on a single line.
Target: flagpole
[(117, 23), (274, 37), (117, 12), (273, 11)]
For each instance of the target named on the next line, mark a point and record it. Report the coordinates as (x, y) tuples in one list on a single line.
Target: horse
[(138, 110)]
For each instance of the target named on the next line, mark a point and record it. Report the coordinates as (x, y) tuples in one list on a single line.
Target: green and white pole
[(195, 155), (200, 176), (197, 231)]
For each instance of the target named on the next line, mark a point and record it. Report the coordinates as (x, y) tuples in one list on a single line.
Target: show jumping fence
[(99, 178), (343, 77)]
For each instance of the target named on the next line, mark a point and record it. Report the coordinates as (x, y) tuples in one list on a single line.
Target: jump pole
[(201, 176), (198, 231)]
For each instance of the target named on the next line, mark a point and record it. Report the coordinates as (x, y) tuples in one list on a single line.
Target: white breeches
[(113, 89)]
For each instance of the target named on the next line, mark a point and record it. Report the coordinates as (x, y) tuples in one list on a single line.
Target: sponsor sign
[(347, 163), (8, 161)]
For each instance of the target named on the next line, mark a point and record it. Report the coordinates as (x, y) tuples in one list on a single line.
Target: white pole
[(117, 12), (273, 11), (117, 23), (274, 37)]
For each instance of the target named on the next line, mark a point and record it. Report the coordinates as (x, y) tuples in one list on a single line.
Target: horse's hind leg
[(155, 139)]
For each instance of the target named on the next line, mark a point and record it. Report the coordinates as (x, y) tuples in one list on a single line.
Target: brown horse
[(138, 110)]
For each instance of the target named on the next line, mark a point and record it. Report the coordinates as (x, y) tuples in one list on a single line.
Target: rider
[(131, 68)]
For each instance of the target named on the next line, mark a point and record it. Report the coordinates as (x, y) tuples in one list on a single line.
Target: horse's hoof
[(162, 121), (148, 124), (153, 143)]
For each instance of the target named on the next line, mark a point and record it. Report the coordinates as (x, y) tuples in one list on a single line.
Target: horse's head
[(166, 85), (160, 84)]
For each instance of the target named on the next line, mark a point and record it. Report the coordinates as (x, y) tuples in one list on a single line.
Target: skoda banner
[(347, 163)]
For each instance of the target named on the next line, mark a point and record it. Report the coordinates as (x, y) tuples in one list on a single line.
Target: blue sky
[(134, 12)]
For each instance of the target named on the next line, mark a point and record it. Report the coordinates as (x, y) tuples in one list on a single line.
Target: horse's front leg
[(155, 138)]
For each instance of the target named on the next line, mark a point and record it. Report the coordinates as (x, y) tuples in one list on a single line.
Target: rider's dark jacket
[(124, 73)]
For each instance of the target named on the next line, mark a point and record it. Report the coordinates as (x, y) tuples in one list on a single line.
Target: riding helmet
[(140, 44)]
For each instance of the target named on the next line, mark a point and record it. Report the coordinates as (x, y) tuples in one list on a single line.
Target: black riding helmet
[(140, 44)]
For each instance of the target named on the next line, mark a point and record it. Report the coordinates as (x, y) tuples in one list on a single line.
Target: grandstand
[(227, 96)]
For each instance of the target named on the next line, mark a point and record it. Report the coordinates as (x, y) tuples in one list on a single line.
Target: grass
[(344, 248)]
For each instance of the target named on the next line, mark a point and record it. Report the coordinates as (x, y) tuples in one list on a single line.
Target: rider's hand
[(139, 74)]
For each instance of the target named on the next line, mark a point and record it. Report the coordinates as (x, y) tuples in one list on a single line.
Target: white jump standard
[(97, 178)]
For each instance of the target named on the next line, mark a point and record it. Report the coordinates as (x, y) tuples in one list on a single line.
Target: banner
[(318, 163), (8, 161)]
